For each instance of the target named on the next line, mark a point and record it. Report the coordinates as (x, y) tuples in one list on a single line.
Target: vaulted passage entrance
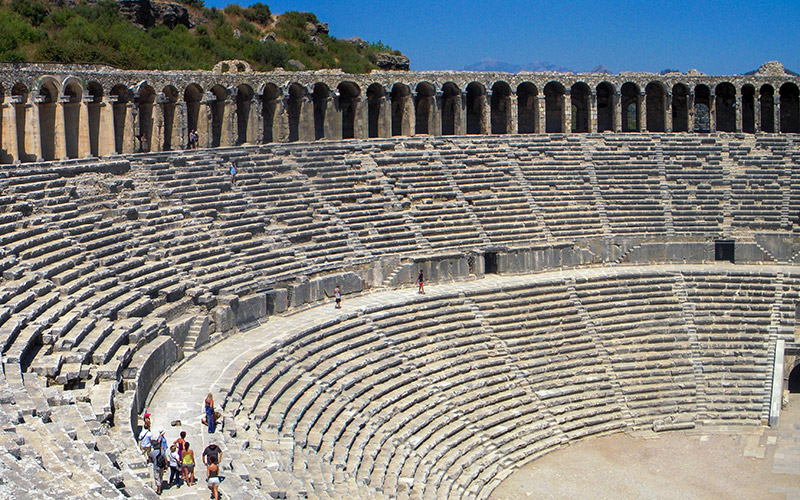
[(400, 103), (526, 108), (423, 108), (748, 109), (501, 108), (451, 108), (270, 100), (656, 107), (680, 108), (790, 108), (320, 95), (794, 380), (348, 100), (605, 107), (767, 108), (702, 109), (476, 101), (580, 107), (554, 107), (376, 96), (726, 107), (630, 107)]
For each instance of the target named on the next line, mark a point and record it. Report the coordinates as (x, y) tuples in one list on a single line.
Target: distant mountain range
[(494, 65)]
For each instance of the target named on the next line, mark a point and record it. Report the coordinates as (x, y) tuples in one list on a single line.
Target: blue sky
[(715, 37)]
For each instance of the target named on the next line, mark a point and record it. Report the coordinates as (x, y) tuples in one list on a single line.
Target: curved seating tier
[(443, 396), (109, 268)]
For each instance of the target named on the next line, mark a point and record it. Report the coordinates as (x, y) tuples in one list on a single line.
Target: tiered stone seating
[(695, 176), (405, 397), (629, 181), (103, 262), (733, 317)]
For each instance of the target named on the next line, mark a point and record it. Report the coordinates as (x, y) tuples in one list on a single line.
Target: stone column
[(333, 116), (486, 118), (690, 111), (777, 112), (738, 110), (757, 111), (566, 112), (255, 124), (668, 112), (105, 134), (361, 125), (305, 128), (228, 132), (84, 145), (385, 116), (204, 117), (512, 126), (60, 139), (593, 111), (180, 135), (435, 114), (642, 105), (130, 130), (33, 135), (461, 116), (9, 136), (157, 132), (712, 112), (280, 119), (409, 125), (617, 111), (541, 114)]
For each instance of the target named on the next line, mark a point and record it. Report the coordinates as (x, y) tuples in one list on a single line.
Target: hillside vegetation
[(147, 34)]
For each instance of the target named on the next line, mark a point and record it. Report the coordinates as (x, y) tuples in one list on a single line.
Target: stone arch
[(748, 108), (270, 100), (376, 95), (401, 97), (476, 102), (122, 127), (48, 102), (424, 105), (73, 94), (451, 108), (656, 98), (725, 104), (320, 96), (145, 100), (527, 108), (217, 106), (767, 100), (554, 107), (702, 108), (349, 93), (605, 107), (297, 94), (168, 107), (21, 94), (245, 124), (501, 108), (680, 108), (579, 93), (95, 90), (790, 108), (629, 96), (193, 97)]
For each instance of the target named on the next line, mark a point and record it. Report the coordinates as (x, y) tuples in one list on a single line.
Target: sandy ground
[(671, 465)]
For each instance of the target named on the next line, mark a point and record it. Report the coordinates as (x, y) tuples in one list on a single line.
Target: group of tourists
[(179, 456), (337, 292), (194, 139)]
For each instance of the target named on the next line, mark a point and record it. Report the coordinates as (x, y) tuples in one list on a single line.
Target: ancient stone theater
[(601, 254)]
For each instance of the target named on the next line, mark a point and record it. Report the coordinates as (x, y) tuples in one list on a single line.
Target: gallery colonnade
[(56, 117)]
